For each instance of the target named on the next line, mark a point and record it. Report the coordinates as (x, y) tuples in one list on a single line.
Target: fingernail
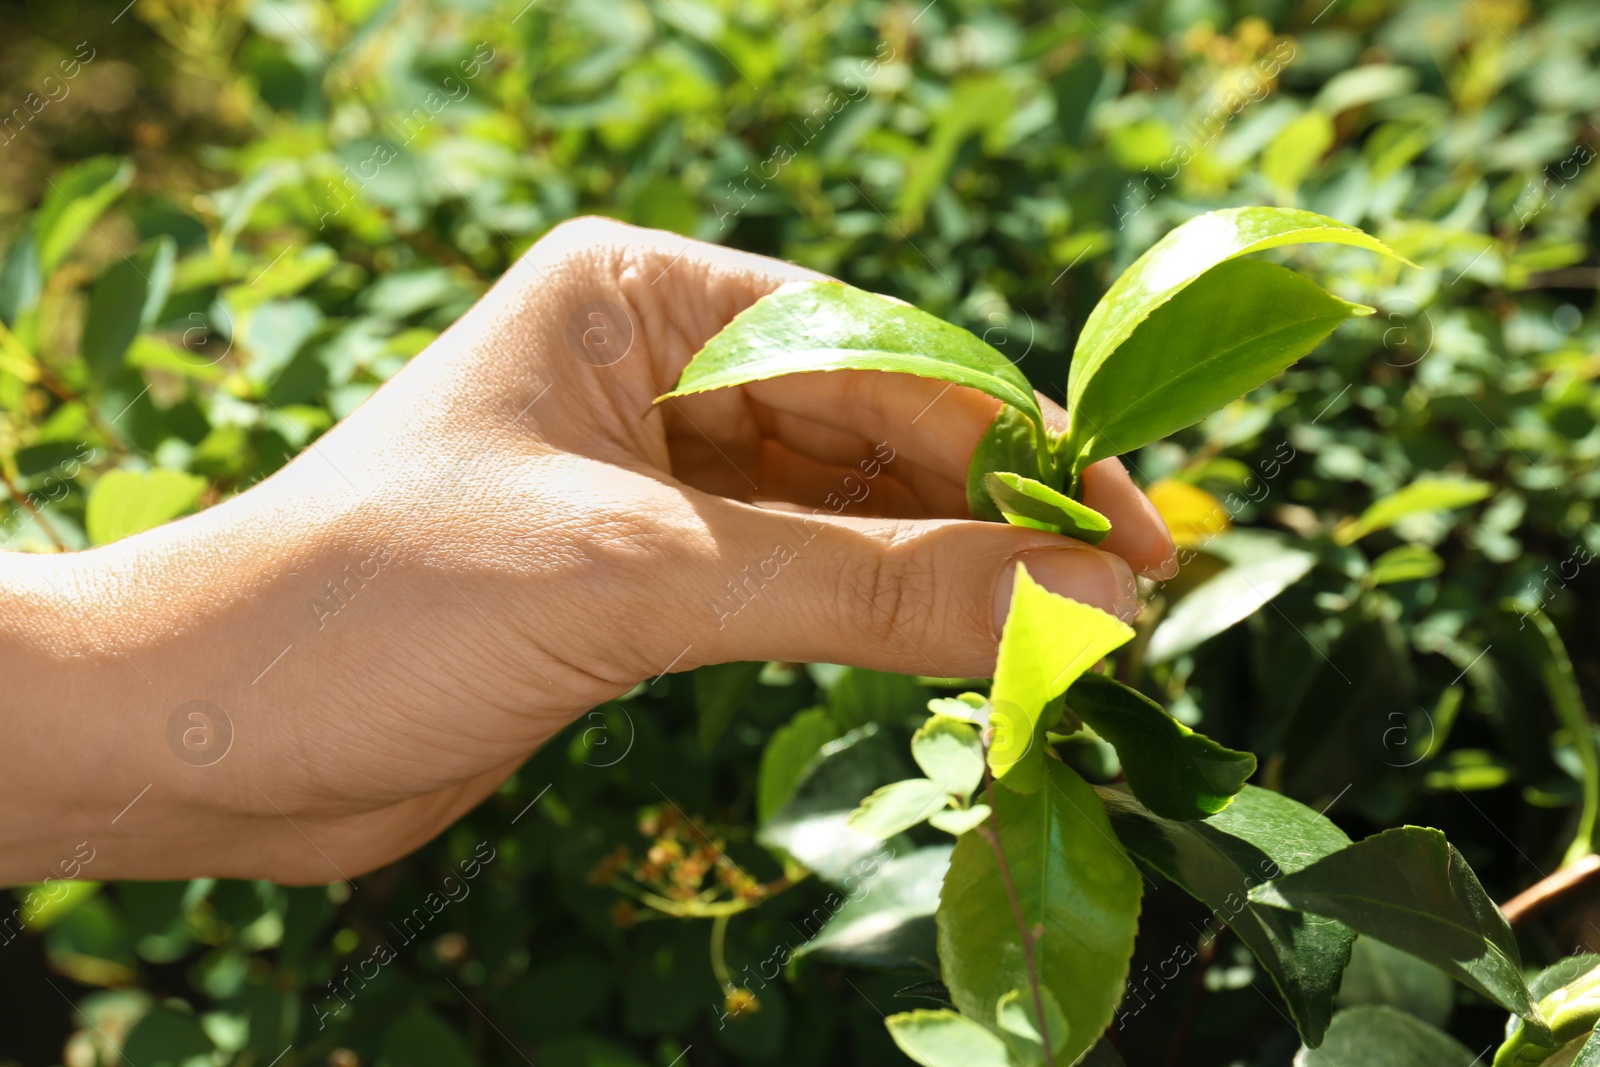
[(1098, 579)]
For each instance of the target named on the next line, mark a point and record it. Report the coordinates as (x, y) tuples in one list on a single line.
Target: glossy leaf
[(950, 753), (1018, 1015), (1411, 889), (1384, 1037), (897, 807), (1423, 495), (1235, 328), (1073, 885), (1009, 444), (793, 748), (1264, 567), (821, 326), (1175, 262), (1047, 643), (1568, 992), (887, 919), (1023, 501), (1175, 772), (125, 502), (946, 1039), (1217, 861)]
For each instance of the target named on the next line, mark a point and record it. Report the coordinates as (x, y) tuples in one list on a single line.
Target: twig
[(991, 834), (1547, 891)]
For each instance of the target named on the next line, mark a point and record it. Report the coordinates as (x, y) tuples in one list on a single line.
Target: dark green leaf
[(1008, 444), (719, 691), (1410, 888), (1175, 772), (1382, 974), (125, 299), (788, 757), (1384, 1037), (1217, 861), (1026, 502), (1073, 884)]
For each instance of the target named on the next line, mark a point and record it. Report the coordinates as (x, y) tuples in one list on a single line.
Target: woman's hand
[(320, 674)]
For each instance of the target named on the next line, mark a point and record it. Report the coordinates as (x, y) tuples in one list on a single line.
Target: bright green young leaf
[(945, 1039), (1234, 328), (1175, 772), (950, 753), (959, 820), (1383, 1037), (77, 197), (1216, 861), (1294, 152), (1009, 444), (1183, 256), (719, 691), (1262, 566), (890, 923), (1555, 671), (1568, 993), (1047, 643), (1023, 501), (968, 707), (821, 326), (125, 502), (1408, 563), (789, 753), (1074, 887), (1410, 888), (1423, 495), (1018, 1015), (897, 807)]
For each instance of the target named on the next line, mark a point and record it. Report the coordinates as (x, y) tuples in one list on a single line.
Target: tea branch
[(991, 834)]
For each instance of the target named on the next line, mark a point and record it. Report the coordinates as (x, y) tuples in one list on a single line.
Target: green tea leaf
[(125, 502), (897, 807), (1568, 993), (1408, 563), (1423, 495), (719, 691), (1074, 888), (77, 197), (1383, 1037), (958, 821), (1009, 444), (1410, 888), (890, 924), (1018, 1015), (946, 1039), (950, 753), (1382, 974), (1047, 643), (1232, 329), (1184, 255), (794, 747), (1259, 836), (1025, 502), (125, 299), (1262, 567), (1175, 772), (821, 326)]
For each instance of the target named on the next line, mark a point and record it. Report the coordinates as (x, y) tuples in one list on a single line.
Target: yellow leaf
[(1193, 516)]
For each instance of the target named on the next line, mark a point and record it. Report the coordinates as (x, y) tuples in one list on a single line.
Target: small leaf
[(1009, 444), (959, 820), (1256, 838), (1231, 330), (125, 502), (1408, 563), (790, 752), (1294, 152), (890, 922), (125, 299), (1026, 502), (1423, 495), (1017, 1015), (950, 753), (77, 197), (897, 807), (1075, 890), (719, 691), (822, 326), (1047, 643), (945, 1039), (1175, 772), (1384, 1037), (1410, 888), (1264, 567), (968, 707)]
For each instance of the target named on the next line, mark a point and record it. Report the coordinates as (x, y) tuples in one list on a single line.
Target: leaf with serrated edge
[(1174, 771), (1217, 860), (1410, 888), (1073, 884), (1047, 643), (897, 807), (949, 752), (1017, 1015), (1026, 502), (1009, 444)]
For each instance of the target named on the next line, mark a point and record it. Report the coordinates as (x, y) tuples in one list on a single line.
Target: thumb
[(911, 596)]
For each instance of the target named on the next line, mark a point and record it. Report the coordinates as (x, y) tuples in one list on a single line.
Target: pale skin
[(513, 533)]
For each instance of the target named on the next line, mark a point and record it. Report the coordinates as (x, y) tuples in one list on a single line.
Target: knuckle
[(887, 596)]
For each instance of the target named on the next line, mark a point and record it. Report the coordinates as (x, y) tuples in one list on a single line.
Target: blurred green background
[(227, 223)]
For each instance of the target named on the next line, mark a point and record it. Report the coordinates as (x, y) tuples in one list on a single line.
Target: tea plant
[(1039, 900)]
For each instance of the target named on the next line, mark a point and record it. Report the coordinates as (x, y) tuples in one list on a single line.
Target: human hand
[(504, 536)]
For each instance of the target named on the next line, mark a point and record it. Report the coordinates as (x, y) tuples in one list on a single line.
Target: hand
[(504, 536)]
